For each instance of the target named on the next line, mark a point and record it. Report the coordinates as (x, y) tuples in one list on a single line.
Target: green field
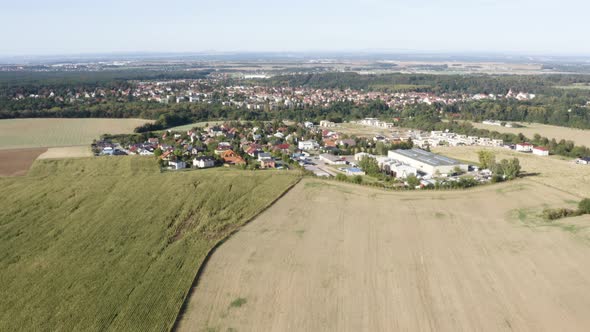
[(575, 86), (98, 244), (33, 133)]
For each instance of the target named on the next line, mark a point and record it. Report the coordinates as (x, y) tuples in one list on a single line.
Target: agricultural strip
[(97, 244)]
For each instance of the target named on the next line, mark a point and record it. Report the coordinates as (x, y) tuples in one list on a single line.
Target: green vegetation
[(554, 214), (240, 301), (506, 169), (113, 244)]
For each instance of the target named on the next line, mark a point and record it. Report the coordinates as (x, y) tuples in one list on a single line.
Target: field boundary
[(212, 251)]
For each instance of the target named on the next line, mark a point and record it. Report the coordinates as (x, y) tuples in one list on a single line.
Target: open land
[(95, 244), (39, 132), (336, 257), (578, 136)]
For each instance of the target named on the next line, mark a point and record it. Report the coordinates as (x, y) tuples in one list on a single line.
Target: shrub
[(357, 179), (554, 214)]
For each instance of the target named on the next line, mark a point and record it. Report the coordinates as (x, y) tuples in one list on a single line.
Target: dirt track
[(337, 257)]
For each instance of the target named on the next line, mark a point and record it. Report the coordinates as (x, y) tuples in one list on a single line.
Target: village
[(401, 158)]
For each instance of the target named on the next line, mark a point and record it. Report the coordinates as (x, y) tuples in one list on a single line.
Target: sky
[(42, 27)]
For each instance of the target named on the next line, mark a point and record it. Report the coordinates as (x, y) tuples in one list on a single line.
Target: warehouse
[(427, 162)]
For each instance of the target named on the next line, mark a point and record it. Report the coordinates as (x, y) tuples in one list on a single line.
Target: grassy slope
[(91, 244)]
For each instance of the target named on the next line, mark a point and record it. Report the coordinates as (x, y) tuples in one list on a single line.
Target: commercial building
[(427, 162)]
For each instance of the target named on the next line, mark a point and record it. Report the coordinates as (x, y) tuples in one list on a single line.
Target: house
[(308, 145), (308, 124), (284, 148), (232, 158), (540, 151), (267, 163), (176, 165), (347, 142), (203, 162), (524, 147), (331, 159)]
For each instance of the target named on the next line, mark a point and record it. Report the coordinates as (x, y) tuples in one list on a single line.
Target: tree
[(487, 159), (370, 166), (508, 169), (584, 206), (158, 152), (413, 181)]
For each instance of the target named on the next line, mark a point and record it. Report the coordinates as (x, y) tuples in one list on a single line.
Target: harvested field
[(578, 136), (67, 152), (16, 162), (29, 133), (336, 257), (554, 171)]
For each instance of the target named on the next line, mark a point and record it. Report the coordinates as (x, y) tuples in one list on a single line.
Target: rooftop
[(427, 157)]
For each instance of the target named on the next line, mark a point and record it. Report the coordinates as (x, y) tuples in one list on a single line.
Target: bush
[(357, 179), (341, 177), (584, 206), (554, 214)]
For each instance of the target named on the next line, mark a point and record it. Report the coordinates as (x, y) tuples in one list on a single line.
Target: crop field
[(97, 244), (337, 257), (33, 133), (578, 136)]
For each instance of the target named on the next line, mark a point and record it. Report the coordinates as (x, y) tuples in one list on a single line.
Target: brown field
[(17, 162), (336, 257), (578, 136)]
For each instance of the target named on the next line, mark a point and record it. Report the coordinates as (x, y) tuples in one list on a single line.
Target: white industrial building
[(427, 162)]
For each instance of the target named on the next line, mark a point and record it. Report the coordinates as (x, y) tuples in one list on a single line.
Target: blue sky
[(501, 26)]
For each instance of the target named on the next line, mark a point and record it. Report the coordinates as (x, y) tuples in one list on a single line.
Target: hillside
[(112, 243)]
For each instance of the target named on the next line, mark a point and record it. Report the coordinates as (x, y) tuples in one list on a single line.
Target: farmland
[(578, 136), (32, 133), (332, 256), (96, 244)]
